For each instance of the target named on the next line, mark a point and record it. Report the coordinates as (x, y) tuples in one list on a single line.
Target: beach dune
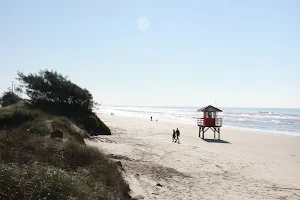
[(243, 165)]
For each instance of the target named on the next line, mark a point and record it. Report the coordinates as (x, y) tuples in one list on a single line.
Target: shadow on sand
[(216, 141)]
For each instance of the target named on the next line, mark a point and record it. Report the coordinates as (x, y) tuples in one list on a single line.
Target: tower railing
[(201, 122)]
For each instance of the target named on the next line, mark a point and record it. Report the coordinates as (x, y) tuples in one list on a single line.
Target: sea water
[(273, 120)]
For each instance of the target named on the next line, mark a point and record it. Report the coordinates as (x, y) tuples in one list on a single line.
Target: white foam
[(271, 121)]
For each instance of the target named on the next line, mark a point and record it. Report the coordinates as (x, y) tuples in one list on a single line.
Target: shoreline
[(247, 165), (243, 129)]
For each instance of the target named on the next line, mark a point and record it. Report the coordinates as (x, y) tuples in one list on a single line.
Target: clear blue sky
[(240, 53)]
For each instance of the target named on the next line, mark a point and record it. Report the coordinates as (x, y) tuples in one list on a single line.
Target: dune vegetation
[(35, 165)]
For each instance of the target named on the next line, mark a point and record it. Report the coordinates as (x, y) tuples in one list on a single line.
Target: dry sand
[(250, 166)]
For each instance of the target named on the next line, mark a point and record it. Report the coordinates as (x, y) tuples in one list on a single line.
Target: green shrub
[(37, 120), (9, 98), (104, 129), (38, 126), (91, 122), (94, 125), (63, 124), (17, 115)]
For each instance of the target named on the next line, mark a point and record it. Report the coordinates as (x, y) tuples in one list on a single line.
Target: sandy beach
[(245, 165)]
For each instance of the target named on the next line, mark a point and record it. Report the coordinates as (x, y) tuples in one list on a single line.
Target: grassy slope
[(33, 166)]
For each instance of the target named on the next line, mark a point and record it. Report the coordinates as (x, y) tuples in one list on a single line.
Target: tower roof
[(209, 108)]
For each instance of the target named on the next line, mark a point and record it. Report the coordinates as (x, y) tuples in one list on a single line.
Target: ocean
[(273, 120)]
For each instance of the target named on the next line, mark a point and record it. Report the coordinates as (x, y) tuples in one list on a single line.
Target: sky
[(159, 53)]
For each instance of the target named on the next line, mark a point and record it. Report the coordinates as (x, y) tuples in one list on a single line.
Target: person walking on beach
[(151, 118), (174, 136), (177, 135)]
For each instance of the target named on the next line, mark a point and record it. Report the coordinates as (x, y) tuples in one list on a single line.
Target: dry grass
[(34, 166)]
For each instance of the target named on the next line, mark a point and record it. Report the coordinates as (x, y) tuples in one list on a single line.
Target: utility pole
[(12, 86), (17, 93)]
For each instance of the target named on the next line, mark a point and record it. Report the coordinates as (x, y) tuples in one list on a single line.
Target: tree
[(9, 98), (51, 90), (56, 94), (19, 91)]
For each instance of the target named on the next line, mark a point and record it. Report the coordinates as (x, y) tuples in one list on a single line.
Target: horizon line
[(201, 106)]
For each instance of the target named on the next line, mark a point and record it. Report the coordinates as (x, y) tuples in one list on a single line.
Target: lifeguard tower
[(209, 121)]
